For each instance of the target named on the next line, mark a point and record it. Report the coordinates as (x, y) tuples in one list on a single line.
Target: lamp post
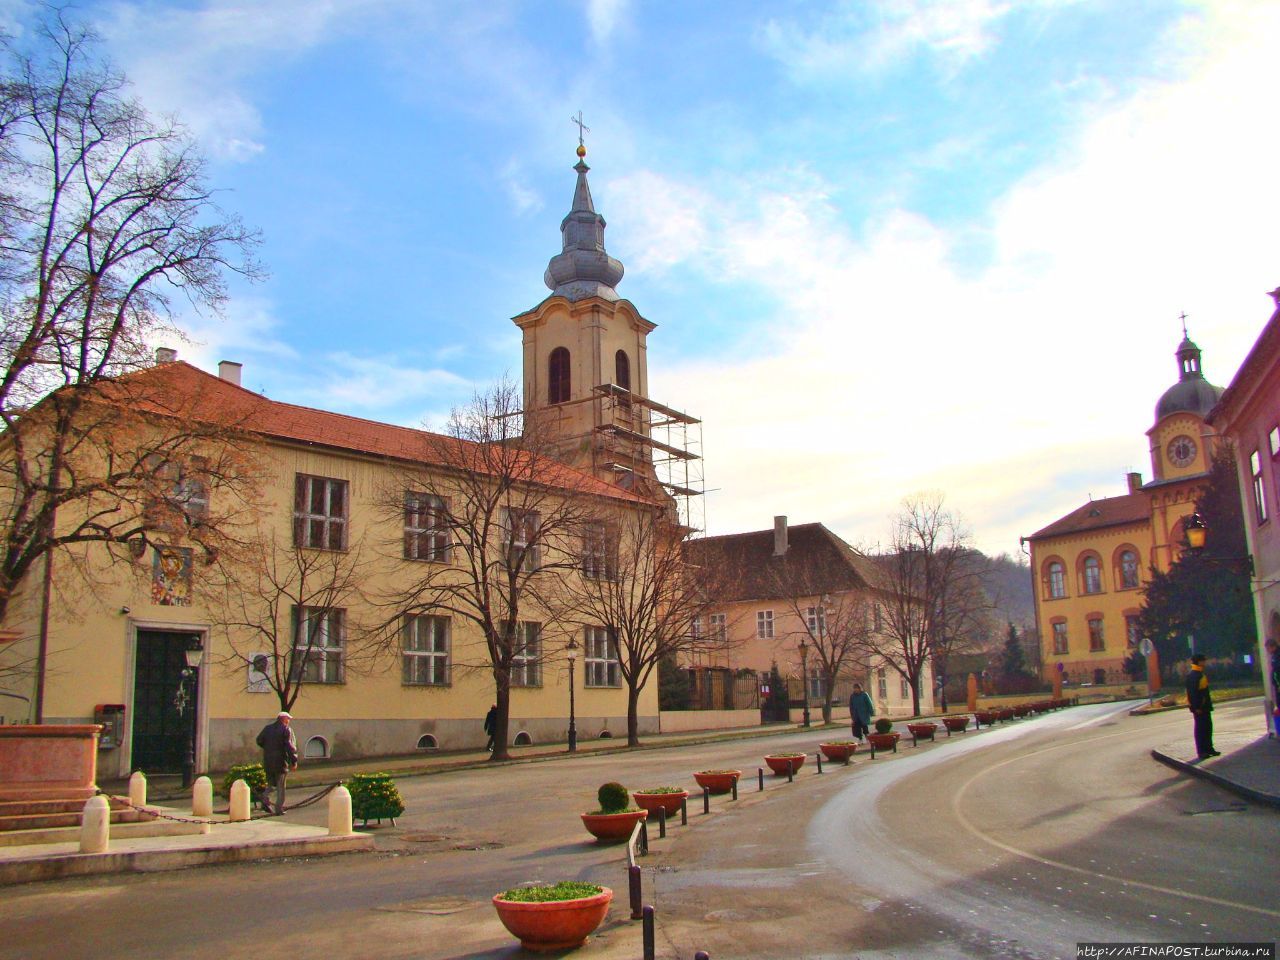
[(194, 655), (804, 678), (571, 651)]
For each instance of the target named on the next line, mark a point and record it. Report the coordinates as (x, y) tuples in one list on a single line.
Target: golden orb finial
[(582, 151)]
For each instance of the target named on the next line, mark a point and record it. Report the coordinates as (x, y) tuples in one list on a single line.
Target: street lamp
[(1196, 533), (194, 655), (571, 651), (804, 678)]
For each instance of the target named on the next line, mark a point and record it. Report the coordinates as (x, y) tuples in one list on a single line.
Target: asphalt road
[(1017, 842)]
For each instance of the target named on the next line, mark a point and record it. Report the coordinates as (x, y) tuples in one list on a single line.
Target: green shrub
[(613, 797), (547, 892), (660, 790), (251, 773), (884, 725), (374, 796)]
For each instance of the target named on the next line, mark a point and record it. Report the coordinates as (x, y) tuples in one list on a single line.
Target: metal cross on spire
[(1183, 318), (581, 128)]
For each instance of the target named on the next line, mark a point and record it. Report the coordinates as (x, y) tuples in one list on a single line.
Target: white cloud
[(1020, 388), (245, 327), (523, 197), (604, 17), (352, 382)]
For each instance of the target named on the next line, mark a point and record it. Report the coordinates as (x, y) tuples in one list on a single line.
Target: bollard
[(138, 788), (239, 801), (648, 941), (95, 822), (706, 799), (760, 777), (684, 811), (791, 771), (735, 788), (643, 845), (819, 756), (633, 882), (662, 823), (340, 812), (202, 797)]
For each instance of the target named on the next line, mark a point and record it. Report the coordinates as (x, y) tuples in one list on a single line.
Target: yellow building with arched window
[(1089, 566)]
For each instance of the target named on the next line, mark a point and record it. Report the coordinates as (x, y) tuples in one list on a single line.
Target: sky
[(891, 247)]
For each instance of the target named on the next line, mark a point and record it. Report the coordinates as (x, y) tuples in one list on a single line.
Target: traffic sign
[(1146, 646)]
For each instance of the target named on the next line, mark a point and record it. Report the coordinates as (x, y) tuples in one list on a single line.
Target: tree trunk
[(501, 724), (633, 716)]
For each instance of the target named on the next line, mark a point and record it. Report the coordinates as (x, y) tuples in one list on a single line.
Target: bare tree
[(639, 593), (289, 618), (491, 519), (926, 583), (104, 217)]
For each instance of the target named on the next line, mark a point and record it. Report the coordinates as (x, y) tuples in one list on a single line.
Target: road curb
[(1256, 796)]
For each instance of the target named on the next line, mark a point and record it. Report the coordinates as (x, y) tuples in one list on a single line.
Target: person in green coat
[(860, 711)]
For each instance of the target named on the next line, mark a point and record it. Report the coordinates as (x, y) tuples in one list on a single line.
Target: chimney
[(166, 355), (1135, 482), (779, 536), (229, 371)]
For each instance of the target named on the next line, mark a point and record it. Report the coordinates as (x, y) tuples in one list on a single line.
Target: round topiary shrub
[(613, 797), (884, 725), (251, 773), (374, 796)]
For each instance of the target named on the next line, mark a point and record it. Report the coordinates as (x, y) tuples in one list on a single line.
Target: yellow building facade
[(1089, 567), (335, 492)]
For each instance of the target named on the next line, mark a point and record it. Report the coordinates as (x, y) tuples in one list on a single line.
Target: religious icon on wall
[(171, 577)]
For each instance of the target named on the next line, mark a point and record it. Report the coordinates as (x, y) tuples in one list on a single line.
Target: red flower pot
[(653, 802), (956, 724), (556, 925), (883, 741), (1006, 713), (718, 782), (779, 765), (922, 731), (986, 716), (838, 751), (612, 827)]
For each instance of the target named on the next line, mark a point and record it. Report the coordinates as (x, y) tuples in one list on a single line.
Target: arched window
[(427, 742), (1128, 569), (1055, 578), (317, 748), (523, 739), (558, 380), (1091, 574), (622, 374)]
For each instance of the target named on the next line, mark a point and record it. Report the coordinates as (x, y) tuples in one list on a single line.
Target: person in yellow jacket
[(1200, 703)]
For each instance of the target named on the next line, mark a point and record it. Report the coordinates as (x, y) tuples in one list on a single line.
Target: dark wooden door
[(160, 732)]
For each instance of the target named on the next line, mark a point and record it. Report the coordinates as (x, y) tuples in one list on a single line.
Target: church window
[(1259, 492), (1056, 580), (1128, 570), (1092, 571), (558, 391)]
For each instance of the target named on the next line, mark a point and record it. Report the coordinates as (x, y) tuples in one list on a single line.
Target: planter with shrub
[(556, 916), (717, 781), (884, 738), (616, 818), (840, 750), (922, 730), (780, 763), (374, 796), (957, 724), (665, 798)]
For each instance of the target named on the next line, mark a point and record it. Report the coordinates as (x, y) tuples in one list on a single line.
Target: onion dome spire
[(583, 268)]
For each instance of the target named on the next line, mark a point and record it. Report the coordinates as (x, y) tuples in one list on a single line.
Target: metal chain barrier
[(152, 812)]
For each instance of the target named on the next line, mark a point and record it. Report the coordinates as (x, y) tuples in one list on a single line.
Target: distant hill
[(1009, 586)]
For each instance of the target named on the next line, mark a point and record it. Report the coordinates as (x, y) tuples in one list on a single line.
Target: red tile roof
[(181, 387), (1107, 512)]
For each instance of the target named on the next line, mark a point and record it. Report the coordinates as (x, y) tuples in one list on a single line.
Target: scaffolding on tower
[(670, 441)]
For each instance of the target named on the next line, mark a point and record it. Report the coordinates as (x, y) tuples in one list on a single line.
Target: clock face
[(1181, 451)]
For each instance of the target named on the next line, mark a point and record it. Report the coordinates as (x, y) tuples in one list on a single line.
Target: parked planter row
[(1004, 714)]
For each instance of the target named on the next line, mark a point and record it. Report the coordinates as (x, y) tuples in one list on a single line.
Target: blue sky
[(890, 247)]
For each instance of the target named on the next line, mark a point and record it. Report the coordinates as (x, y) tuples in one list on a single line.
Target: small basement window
[(317, 748), (427, 742), (523, 739)]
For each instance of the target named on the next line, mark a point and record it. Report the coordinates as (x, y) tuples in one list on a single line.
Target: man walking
[(860, 711), (490, 725), (1200, 703), (279, 756)]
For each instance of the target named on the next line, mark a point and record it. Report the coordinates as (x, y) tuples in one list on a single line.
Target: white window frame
[(521, 537), (600, 666), (718, 627), (764, 624), (882, 684), (1059, 632), (904, 688), (526, 657), (599, 556), (319, 644), (1057, 574), (695, 628), (1259, 489), (815, 618), (332, 526), (1130, 579), (1091, 565), (426, 527), (425, 646)]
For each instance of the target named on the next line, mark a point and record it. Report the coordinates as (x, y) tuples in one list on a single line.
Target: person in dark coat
[(490, 725), (1200, 703), (860, 711), (279, 756), (1273, 667)]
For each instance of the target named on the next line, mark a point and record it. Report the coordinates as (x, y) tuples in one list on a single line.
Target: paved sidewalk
[(1250, 762)]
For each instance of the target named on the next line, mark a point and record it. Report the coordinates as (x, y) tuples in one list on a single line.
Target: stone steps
[(47, 814)]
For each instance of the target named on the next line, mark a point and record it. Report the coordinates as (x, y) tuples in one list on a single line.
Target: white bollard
[(202, 797), (340, 812), (239, 801), (95, 823), (138, 788)]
